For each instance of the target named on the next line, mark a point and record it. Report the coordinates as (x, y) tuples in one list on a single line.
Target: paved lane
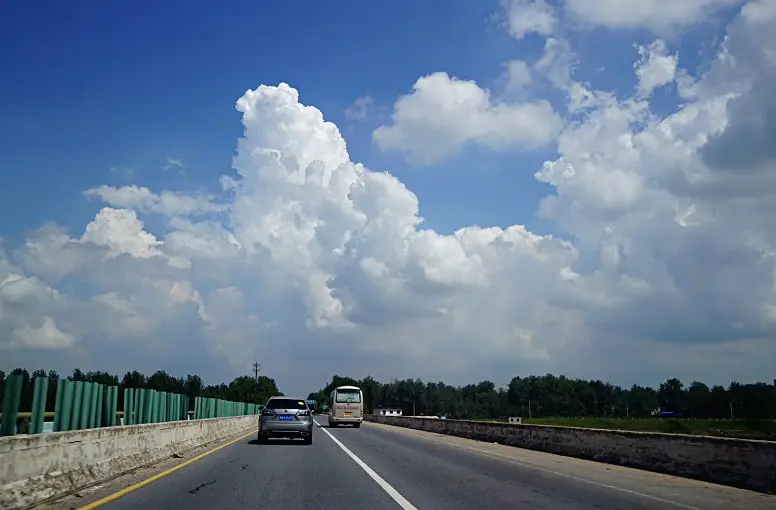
[(376, 466), (282, 474), (436, 471)]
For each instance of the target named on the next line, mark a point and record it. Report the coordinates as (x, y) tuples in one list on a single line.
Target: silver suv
[(286, 417)]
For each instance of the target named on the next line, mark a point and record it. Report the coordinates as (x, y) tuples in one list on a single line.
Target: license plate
[(285, 417), (348, 414)]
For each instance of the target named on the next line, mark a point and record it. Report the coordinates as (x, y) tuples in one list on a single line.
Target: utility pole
[(256, 368), (730, 405), (627, 411)]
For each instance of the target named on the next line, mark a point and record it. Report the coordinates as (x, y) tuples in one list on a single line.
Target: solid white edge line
[(401, 500)]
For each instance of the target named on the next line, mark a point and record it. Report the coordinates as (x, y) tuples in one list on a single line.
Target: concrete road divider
[(741, 463), (36, 468)]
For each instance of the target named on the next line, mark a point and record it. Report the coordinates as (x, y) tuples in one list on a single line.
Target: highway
[(382, 467)]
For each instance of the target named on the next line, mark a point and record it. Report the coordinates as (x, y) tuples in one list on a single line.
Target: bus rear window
[(348, 397)]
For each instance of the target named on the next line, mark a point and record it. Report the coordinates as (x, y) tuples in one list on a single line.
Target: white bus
[(346, 405)]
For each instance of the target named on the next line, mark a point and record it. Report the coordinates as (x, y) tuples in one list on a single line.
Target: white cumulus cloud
[(657, 15), (444, 113), (144, 200), (655, 68), (666, 262)]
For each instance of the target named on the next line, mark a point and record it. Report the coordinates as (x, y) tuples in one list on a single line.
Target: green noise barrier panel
[(80, 405)]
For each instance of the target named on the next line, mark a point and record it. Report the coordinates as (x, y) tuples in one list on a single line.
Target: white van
[(346, 405)]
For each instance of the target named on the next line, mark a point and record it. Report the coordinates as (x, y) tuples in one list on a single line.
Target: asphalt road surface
[(382, 467)]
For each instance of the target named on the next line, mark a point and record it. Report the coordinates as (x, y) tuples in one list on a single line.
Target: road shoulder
[(99, 491)]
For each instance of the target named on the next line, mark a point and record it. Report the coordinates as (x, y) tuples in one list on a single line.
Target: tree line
[(559, 396), (242, 389)]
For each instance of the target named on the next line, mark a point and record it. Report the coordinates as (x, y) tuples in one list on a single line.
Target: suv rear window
[(285, 403)]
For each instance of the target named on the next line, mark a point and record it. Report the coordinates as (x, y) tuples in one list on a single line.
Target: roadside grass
[(744, 429)]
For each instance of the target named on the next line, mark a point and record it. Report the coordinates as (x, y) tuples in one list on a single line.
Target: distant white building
[(387, 412)]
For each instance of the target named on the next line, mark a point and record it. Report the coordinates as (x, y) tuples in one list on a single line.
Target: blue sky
[(108, 93), (92, 86)]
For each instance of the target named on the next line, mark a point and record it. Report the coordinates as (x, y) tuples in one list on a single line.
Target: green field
[(746, 429)]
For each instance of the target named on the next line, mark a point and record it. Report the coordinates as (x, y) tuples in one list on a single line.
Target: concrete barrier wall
[(736, 462), (35, 468)]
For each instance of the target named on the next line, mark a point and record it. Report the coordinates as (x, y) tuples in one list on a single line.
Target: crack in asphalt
[(198, 487)]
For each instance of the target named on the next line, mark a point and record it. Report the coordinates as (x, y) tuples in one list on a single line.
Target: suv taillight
[(267, 412), (303, 413)]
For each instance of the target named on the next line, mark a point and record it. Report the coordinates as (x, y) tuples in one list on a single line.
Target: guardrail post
[(107, 405), (153, 406), (148, 411), (78, 397), (11, 400), (149, 406), (92, 405), (129, 407), (134, 411), (137, 406), (140, 395), (68, 399), (158, 397), (99, 406), (86, 405), (163, 406), (39, 405), (113, 400), (58, 404)]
